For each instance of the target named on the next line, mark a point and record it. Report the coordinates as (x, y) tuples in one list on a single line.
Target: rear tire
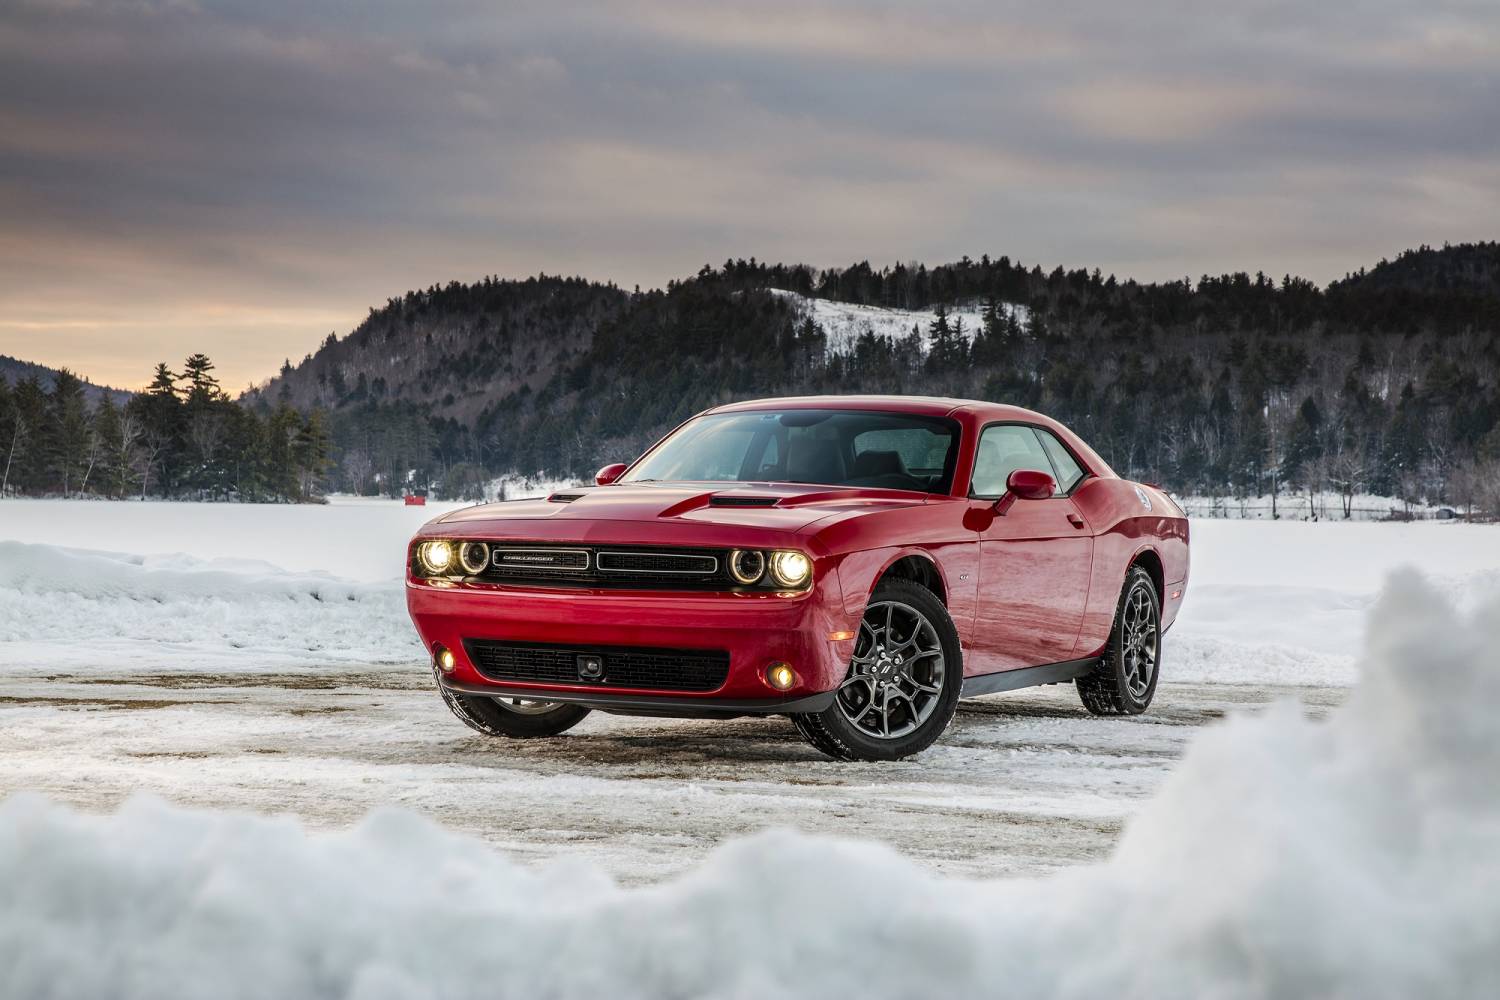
[(903, 683), (1124, 680), (496, 717)]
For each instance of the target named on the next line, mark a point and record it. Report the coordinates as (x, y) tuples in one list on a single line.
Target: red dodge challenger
[(855, 563)]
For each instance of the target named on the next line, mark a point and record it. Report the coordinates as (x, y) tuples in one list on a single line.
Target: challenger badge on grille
[(542, 559)]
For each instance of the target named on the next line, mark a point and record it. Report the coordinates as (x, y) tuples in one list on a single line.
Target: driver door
[(1035, 559)]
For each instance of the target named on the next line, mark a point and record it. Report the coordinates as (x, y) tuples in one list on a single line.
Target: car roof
[(928, 406)]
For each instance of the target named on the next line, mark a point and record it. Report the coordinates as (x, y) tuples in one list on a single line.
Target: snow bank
[(69, 611), (1353, 858), (359, 538)]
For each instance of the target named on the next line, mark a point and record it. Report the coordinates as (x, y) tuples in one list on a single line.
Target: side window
[(1068, 469), (1004, 448)]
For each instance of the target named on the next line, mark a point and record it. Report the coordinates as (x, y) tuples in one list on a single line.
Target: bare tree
[(1347, 471), (1315, 480), (1487, 493), (17, 435), (148, 455), (1278, 426), (206, 432), (358, 467), (128, 444), (1464, 486), (93, 450)]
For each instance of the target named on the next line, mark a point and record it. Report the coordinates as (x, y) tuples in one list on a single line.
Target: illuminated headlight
[(747, 565), (474, 557), (790, 569), (436, 557)]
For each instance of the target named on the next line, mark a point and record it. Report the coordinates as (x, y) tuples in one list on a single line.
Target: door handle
[(1075, 520)]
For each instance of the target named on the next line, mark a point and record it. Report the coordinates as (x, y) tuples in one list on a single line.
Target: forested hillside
[(1384, 382)]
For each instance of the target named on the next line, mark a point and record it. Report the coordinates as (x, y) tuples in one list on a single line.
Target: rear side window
[(1069, 472)]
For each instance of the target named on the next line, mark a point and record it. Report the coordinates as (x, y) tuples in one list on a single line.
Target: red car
[(856, 563)]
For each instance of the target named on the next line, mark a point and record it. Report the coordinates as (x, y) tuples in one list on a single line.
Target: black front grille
[(607, 566), (662, 563), (624, 666)]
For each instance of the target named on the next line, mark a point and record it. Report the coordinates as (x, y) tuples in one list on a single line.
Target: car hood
[(785, 507)]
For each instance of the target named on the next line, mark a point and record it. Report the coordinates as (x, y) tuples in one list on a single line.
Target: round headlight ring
[(790, 569), (437, 557), (474, 557), (747, 565)]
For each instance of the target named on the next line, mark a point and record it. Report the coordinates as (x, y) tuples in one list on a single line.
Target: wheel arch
[(919, 567), (1150, 560)]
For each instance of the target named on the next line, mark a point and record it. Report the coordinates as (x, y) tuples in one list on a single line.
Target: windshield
[(867, 448)]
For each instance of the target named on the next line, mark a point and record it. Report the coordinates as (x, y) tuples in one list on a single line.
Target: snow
[(1284, 856), (844, 322), (354, 538), (271, 588), (1285, 602)]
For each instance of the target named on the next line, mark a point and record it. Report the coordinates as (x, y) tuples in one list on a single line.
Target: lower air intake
[(624, 666)]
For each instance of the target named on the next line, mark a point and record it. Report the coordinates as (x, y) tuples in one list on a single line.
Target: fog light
[(446, 661), (781, 676)]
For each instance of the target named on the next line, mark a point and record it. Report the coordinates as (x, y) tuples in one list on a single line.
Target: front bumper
[(756, 630)]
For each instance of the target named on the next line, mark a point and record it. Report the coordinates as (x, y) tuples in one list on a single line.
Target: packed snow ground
[(844, 323), (1353, 857)]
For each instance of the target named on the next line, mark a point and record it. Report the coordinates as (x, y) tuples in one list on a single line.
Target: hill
[(1385, 381), (13, 370)]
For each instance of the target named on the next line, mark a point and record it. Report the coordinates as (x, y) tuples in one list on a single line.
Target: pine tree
[(66, 436), (203, 387), (159, 413), (310, 451), (107, 448), (24, 466), (8, 431)]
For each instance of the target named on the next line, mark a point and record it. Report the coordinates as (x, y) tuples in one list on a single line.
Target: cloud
[(197, 172)]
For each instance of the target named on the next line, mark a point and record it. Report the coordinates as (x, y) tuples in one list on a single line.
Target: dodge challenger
[(857, 564)]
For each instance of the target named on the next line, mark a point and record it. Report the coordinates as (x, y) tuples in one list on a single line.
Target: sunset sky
[(242, 178)]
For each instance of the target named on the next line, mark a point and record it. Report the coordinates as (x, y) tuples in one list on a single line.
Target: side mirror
[(609, 473), (1025, 484), (1028, 484)]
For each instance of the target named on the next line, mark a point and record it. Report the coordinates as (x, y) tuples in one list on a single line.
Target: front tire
[(1124, 681), (513, 718), (903, 683)]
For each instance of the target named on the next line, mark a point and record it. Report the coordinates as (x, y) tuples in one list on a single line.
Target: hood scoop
[(564, 497), (743, 501)]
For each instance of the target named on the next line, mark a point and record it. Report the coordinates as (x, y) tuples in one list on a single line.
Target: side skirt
[(1023, 677)]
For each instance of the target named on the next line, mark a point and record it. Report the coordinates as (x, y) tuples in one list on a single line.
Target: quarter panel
[(1124, 529)]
